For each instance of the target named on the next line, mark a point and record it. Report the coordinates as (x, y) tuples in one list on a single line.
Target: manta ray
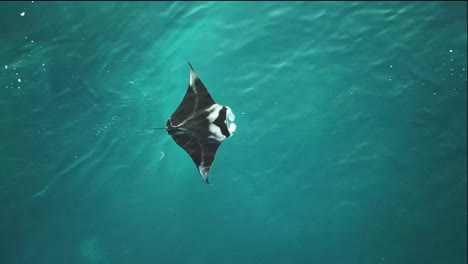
[(199, 125)]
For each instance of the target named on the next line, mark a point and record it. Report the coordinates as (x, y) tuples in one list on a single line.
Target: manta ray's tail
[(160, 128), (166, 128)]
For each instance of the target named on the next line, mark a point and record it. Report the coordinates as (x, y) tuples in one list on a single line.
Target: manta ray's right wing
[(196, 99)]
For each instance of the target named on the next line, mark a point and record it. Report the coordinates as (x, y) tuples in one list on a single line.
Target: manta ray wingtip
[(204, 172), (190, 65)]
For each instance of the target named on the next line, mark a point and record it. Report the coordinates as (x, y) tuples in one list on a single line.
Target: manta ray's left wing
[(202, 153)]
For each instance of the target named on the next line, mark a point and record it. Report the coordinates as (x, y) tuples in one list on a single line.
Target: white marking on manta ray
[(193, 77), (216, 133), (202, 171), (232, 128), (231, 117), (230, 114), (214, 112)]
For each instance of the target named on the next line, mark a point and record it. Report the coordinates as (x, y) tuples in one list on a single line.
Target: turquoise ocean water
[(351, 141)]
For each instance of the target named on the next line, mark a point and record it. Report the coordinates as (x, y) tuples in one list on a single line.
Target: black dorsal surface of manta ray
[(199, 125)]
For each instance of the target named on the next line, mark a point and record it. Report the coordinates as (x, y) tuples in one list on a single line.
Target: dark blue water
[(351, 141)]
